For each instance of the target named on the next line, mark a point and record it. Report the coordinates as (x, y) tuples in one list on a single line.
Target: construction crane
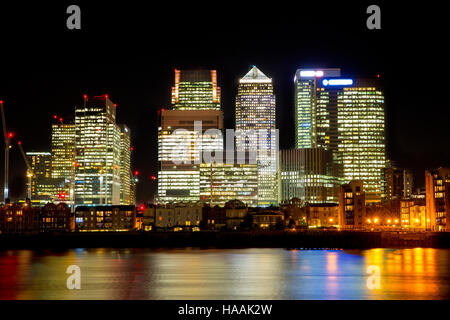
[(30, 173), (7, 137)]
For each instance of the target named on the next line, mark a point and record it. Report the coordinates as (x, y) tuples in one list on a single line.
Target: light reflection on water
[(419, 273)]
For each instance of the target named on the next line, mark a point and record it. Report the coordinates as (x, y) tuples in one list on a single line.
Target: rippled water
[(226, 274)]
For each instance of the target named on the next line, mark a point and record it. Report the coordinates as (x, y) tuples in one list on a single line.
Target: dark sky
[(129, 51)]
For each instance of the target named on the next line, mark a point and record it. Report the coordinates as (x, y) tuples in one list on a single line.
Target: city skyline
[(149, 197)]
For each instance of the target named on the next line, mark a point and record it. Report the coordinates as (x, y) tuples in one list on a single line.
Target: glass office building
[(256, 131), (125, 166), (193, 126), (63, 157), (97, 152), (309, 174), (346, 116)]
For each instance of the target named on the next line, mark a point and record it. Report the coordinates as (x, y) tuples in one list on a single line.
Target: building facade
[(105, 218), (398, 182), (63, 157), (97, 152), (352, 205), (222, 182), (126, 198), (256, 131), (192, 128), (437, 186), (310, 175)]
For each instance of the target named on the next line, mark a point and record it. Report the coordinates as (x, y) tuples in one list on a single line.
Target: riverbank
[(310, 239)]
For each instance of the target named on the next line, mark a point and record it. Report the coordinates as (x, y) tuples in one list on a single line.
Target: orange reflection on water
[(409, 273)]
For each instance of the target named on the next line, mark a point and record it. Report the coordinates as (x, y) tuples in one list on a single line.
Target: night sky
[(130, 52)]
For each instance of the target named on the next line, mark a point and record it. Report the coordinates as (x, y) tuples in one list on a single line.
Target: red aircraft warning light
[(62, 195), (153, 177), (141, 207), (106, 96), (131, 148), (85, 96), (136, 173), (10, 135)]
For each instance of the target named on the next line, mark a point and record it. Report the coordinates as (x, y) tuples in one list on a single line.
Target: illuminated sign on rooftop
[(311, 73), (337, 82)]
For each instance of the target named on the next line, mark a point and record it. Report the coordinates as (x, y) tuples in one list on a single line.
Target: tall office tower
[(63, 156), (306, 112), (97, 152), (181, 141), (195, 90), (256, 131), (347, 117), (398, 182), (437, 186), (310, 175), (125, 166), (43, 187)]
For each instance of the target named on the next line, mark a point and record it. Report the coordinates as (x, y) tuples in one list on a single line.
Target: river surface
[(190, 273)]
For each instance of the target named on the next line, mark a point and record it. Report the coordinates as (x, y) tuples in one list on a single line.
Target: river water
[(190, 273)]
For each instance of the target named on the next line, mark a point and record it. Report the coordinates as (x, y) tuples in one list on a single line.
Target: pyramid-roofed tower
[(255, 75)]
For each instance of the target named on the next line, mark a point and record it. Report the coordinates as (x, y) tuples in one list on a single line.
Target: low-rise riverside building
[(179, 217), (105, 218)]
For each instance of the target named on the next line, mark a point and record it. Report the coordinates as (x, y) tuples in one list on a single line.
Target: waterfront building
[(256, 131), (322, 215), (437, 186), (267, 219), (310, 175), (105, 218), (56, 217), (179, 216), (399, 182), (97, 152), (352, 207), (19, 219)]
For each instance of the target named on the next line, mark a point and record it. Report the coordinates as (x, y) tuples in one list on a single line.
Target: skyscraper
[(305, 102), (97, 152), (63, 156), (43, 187), (346, 116), (125, 166), (194, 125), (256, 130)]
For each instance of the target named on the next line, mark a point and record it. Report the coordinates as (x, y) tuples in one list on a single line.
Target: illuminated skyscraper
[(195, 90), (63, 156), (97, 152), (306, 112), (194, 125), (125, 166), (345, 116), (43, 187), (180, 143), (256, 131)]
